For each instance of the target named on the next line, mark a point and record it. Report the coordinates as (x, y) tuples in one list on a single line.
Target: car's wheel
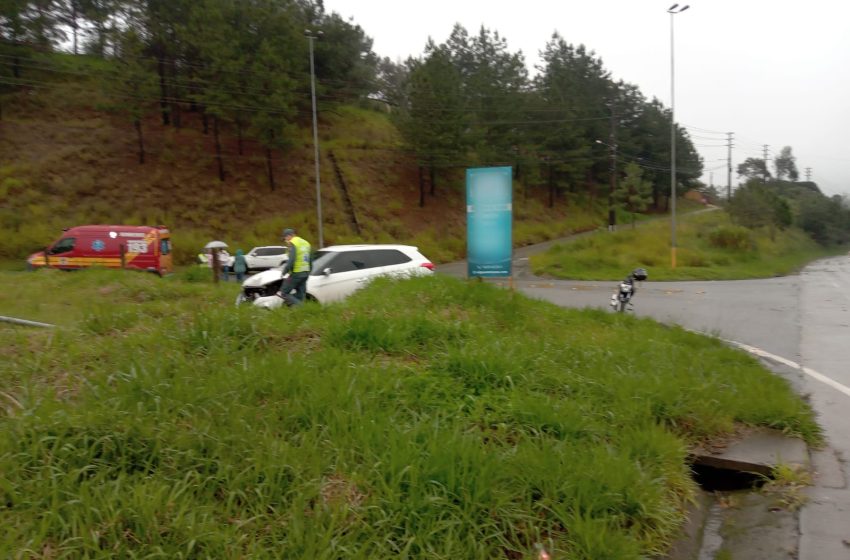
[(241, 298)]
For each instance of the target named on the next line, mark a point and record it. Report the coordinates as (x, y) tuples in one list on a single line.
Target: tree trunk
[(176, 111), (101, 40), (138, 124), (163, 91), (551, 188), (16, 66), (432, 175), (205, 121), (74, 25), (239, 135), (269, 168), (176, 107), (421, 188), (218, 149)]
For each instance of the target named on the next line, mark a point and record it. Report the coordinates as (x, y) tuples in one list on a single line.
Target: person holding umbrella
[(216, 261)]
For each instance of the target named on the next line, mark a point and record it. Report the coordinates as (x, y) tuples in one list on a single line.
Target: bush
[(755, 205), (826, 220), (737, 238)]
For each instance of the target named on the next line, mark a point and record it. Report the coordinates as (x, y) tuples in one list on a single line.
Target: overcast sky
[(773, 72)]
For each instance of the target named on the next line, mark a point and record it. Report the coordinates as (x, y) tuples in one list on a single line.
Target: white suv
[(340, 270), (263, 258)]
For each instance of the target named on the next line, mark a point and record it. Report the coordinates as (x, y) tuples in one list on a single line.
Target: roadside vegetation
[(199, 117), (63, 163), (419, 419), (711, 246)]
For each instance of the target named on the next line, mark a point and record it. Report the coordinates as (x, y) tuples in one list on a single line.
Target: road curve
[(800, 320)]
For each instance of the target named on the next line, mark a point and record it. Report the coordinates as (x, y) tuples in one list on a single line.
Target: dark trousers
[(297, 282)]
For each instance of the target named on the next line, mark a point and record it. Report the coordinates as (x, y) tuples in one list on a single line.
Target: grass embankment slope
[(710, 247), (427, 418), (66, 160)]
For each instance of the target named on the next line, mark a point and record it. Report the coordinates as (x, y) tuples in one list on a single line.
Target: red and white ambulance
[(112, 246)]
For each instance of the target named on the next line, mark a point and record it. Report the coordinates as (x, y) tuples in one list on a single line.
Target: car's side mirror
[(327, 272)]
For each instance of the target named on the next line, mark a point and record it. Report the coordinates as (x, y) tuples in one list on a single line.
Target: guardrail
[(25, 322)]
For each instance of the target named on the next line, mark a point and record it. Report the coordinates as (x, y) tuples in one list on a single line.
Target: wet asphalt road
[(804, 319)]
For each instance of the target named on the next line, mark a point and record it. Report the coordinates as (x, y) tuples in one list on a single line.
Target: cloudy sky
[(773, 72)]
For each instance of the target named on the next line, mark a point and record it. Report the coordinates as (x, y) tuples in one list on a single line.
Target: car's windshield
[(321, 260), (62, 246)]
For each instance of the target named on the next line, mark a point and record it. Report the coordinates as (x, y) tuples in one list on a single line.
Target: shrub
[(737, 238)]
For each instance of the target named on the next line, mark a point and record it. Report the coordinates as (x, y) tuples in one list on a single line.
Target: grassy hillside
[(710, 247), (66, 160), (428, 418)]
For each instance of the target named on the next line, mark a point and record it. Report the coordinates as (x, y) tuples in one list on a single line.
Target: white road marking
[(810, 372)]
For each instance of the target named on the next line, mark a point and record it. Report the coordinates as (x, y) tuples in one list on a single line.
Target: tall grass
[(708, 248), (427, 418)]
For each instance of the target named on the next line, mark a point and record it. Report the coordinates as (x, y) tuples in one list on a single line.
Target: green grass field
[(427, 418), (709, 248)]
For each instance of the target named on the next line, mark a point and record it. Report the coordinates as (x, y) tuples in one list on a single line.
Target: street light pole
[(673, 10), (310, 37), (612, 215)]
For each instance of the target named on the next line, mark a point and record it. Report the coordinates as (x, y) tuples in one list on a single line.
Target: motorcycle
[(622, 298)]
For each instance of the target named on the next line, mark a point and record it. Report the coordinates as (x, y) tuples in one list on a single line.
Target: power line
[(171, 82), (705, 130), (296, 93), (170, 99), (729, 136), (39, 84)]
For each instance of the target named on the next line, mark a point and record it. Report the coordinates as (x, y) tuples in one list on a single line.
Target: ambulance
[(136, 247)]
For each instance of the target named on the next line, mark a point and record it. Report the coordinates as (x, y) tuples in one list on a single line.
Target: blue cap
[(288, 231)]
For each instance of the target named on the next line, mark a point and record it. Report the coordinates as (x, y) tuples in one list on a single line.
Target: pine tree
[(634, 193), (132, 86), (435, 120)]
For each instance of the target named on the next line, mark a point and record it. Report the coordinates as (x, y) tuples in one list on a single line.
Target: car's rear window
[(387, 257), (268, 251), (345, 261)]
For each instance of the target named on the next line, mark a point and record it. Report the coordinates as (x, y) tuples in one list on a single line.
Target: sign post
[(489, 219)]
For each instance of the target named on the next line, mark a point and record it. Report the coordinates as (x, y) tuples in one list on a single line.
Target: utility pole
[(765, 163), (612, 215), (808, 174), (673, 10), (311, 37), (729, 166)]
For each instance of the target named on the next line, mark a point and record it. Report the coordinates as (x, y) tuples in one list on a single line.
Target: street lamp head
[(673, 7), (684, 8)]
